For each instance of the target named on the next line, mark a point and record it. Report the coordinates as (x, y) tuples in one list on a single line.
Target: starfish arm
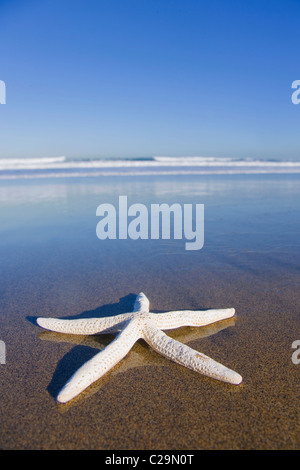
[(84, 326), (141, 303), (187, 356), (170, 320), (101, 363)]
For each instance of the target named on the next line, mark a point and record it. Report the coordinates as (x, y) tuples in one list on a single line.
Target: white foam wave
[(61, 166), (29, 163), (223, 162), (53, 163), (177, 172)]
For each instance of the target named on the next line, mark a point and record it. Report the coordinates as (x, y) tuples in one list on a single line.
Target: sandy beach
[(56, 267)]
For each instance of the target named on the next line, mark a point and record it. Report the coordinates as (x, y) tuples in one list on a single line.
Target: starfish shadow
[(72, 361), (124, 305), (82, 352)]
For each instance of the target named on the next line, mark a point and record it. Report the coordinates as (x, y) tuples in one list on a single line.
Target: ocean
[(61, 167)]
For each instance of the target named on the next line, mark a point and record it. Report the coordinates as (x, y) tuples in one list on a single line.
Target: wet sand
[(146, 401)]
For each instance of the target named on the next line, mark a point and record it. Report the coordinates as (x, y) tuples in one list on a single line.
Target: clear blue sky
[(121, 78)]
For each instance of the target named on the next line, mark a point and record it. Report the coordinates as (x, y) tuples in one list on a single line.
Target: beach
[(54, 265)]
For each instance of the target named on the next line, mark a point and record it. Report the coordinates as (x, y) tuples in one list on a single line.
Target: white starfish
[(140, 323)]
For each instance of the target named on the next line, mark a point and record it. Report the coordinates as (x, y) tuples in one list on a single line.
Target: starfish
[(140, 324)]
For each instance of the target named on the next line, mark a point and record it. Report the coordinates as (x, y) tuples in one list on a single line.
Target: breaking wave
[(51, 167)]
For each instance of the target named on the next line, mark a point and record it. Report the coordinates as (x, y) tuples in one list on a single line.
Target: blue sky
[(137, 78)]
